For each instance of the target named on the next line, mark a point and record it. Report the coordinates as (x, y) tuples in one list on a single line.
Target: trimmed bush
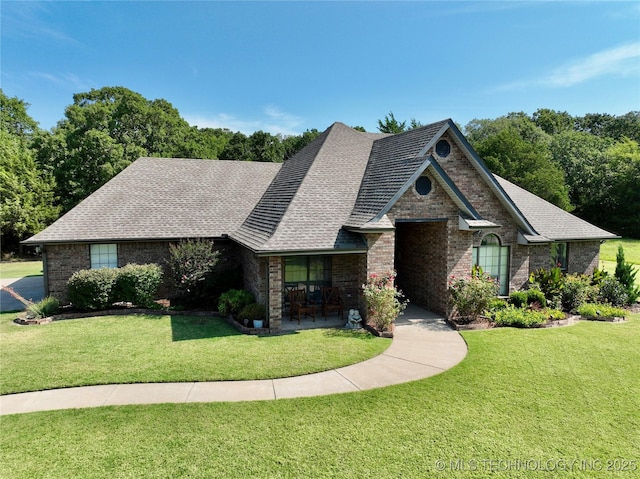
[(92, 288), (612, 292), (233, 301), (138, 284), (596, 310), (44, 308)]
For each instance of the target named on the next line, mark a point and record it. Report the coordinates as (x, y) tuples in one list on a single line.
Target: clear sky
[(285, 67)]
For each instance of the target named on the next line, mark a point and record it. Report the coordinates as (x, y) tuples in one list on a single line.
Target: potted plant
[(254, 312)]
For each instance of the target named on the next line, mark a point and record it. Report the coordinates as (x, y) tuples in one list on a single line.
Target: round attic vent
[(443, 148)]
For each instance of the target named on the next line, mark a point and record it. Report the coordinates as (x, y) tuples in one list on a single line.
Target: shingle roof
[(394, 159), (550, 221), (312, 196), (344, 180), (162, 198)]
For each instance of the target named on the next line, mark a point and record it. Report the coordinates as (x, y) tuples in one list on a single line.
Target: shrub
[(253, 311), (138, 284), (44, 308), (471, 296), (612, 291), (383, 300), (233, 301), (597, 310), (92, 288), (550, 282), (519, 317), (576, 291), (190, 262), (627, 276), (518, 299)]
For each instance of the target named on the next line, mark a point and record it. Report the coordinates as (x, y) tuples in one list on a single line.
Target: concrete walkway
[(423, 345)]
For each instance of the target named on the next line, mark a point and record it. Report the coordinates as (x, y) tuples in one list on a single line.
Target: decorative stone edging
[(568, 321)]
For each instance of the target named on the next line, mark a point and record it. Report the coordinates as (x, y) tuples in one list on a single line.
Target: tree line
[(589, 165)]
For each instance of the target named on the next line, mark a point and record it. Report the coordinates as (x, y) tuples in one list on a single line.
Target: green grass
[(609, 250), (139, 348), (533, 396), (20, 269)]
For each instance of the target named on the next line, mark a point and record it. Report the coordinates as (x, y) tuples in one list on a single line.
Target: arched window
[(493, 258)]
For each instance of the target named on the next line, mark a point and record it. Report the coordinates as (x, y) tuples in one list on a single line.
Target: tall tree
[(391, 125), (104, 131), (515, 148)]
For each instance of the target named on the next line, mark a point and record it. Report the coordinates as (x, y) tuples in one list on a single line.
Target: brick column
[(275, 292)]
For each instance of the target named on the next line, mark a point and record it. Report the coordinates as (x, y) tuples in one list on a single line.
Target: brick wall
[(65, 259), (62, 260), (254, 274), (276, 283), (583, 256), (349, 274)]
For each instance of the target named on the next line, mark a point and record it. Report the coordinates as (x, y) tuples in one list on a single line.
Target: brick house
[(347, 205)]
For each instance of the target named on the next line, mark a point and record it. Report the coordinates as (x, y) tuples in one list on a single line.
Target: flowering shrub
[(383, 300), (190, 263), (471, 296)]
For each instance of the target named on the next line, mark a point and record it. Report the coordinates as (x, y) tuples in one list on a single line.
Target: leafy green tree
[(294, 143), (515, 148), (14, 118), (104, 131), (266, 147), (552, 121), (611, 126), (391, 125), (26, 194)]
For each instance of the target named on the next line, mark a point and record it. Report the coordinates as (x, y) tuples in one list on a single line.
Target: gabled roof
[(311, 197), (548, 220), (161, 198), (341, 184), (393, 162)]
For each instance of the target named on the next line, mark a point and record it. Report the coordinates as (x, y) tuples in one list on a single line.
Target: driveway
[(30, 287)]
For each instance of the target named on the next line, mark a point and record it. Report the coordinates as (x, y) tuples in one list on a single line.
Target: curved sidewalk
[(423, 345)]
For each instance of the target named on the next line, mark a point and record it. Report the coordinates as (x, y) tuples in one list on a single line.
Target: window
[(308, 272), (423, 185), (559, 255), (443, 148), (493, 258), (104, 256)]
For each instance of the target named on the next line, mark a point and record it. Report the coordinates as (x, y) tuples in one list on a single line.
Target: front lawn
[(559, 402), (609, 250), (139, 348), (20, 269)]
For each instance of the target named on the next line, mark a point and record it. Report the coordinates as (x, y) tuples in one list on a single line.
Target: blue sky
[(285, 67)]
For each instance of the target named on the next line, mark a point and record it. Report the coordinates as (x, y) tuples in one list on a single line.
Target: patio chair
[(299, 305), (332, 301)]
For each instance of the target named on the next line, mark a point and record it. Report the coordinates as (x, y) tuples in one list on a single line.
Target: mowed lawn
[(20, 269), (162, 348), (609, 250), (559, 402)]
